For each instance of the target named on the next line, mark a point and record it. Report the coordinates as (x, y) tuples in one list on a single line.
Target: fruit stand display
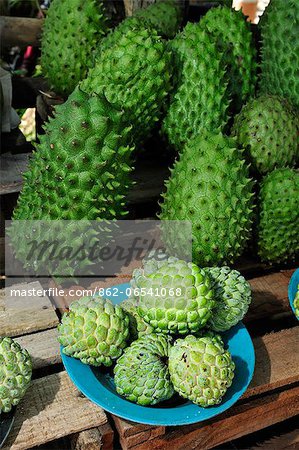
[(189, 159)]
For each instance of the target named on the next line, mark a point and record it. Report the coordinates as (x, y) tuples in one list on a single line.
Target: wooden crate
[(53, 408)]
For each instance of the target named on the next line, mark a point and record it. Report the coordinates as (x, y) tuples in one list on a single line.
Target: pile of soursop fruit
[(166, 337)]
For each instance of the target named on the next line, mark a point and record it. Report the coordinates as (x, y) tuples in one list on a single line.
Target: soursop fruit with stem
[(141, 374), (133, 71), (164, 15), (201, 370), (280, 49), (232, 297), (296, 303), (200, 99), (94, 331), (15, 373), (278, 208), (175, 299), (72, 30), (210, 186), (268, 128), (232, 34)]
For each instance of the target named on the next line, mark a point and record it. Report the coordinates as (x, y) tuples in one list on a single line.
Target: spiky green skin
[(138, 327), (133, 71), (296, 303), (200, 370), (165, 16), (210, 186), (232, 34), (177, 298), (280, 49), (94, 331), (72, 31), (15, 373), (278, 237), (210, 334), (200, 100), (268, 128), (81, 167), (141, 374), (232, 297)]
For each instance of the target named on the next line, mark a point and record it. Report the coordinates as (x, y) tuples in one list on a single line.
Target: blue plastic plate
[(293, 286), (97, 384)]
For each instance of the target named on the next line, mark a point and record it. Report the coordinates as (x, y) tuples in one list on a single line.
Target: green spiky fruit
[(165, 16), (280, 49), (200, 100), (210, 186), (296, 303), (232, 34), (72, 31), (15, 373), (177, 298), (232, 297), (268, 128), (201, 370), (210, 334), (94, 331), (133, 71), (138, 327), (278, 237), (141, 373)]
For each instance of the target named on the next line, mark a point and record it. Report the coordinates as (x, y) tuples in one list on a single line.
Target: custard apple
[(296, 303), (72, 30), (164, 15), (201, 370), (15, 373), (141, 374), (230, 30), (138, 327), (232, 297), (280, 50), (94, 331), (268, 128), (210, 186), (177, 298), (278, 233)]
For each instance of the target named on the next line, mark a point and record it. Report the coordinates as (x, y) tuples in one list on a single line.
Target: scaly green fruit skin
[(81, 167), (296, 303), (138, 327), (268, 128), (72, 30), (200, 100), (210, 186), (232, 297), (177, 298), (233, 36), (280, 49), (94, 331), (15, 373), (278, 237), (165, 16), (133, 71), (200, 370), (141, 374)]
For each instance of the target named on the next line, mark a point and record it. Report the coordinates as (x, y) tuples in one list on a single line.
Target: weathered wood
[(100, 438), (52, 408), (286, 441), (240, 420), (43, 348), (136, 433), (21, 31), (11, 169), (27, 313)]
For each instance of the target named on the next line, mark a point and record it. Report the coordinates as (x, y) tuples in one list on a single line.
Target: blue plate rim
[(293, 279)]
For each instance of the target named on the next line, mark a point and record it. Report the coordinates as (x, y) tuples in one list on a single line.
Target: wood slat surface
[(27, 313), (21, 31), (100, 438), (286, 441), (52, 408)]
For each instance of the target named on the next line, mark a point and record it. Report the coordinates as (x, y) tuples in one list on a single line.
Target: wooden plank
[(286, 441), (240, 420), (27, 313), (52, 408), (21, 31), (100, 438), (136, 433), (43, 348), (11, 170), (270, 296)]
